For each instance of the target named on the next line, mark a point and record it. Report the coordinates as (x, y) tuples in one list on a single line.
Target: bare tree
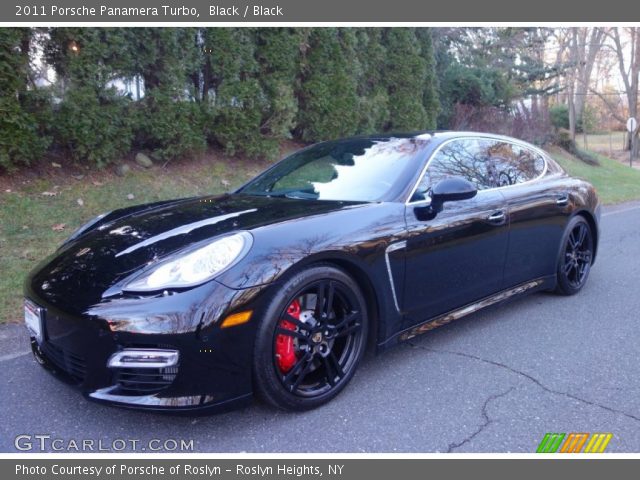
[(583, 46), (629, 73), (626, 46)]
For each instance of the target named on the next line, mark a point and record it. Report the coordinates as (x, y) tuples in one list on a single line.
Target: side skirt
[(521, 289)]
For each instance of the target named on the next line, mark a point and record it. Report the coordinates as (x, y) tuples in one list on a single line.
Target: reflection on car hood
[(118, 248)]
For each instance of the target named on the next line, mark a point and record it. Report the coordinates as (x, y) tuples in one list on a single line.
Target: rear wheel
[(576, 256), (311, 339)]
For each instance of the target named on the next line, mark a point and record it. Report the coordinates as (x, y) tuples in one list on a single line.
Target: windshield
[(361, 169)]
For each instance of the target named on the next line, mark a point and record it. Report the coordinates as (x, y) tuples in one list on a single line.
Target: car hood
[(117, 248)]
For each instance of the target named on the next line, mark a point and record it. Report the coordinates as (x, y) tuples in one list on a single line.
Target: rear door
[(538, 212)]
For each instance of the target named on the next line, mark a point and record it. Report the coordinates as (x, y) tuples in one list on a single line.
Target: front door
[(458, 257)]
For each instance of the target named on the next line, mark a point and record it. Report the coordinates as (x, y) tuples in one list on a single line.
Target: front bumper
[(214, 370)]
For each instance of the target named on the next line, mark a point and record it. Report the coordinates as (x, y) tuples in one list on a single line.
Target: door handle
[(497, 217), (562, 200)]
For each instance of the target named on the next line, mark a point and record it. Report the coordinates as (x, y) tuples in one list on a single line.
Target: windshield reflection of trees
[(368, 174), (358, 170)]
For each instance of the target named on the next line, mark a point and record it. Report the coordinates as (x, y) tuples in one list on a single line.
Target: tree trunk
[(572, 115), (571, 82), (206, 78), (593, 38)]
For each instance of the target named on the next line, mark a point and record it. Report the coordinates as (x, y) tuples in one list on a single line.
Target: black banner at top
[(298, 11)]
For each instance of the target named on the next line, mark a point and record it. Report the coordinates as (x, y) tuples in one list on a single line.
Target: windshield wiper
[(299, 194), (293, 193), (302, 195)]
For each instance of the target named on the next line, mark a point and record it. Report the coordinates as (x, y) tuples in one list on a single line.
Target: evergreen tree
[(92, 122), (405, 75), (162, 57), (21, 136), (169, 121), (277, 53), (328, 99), (239, 103), (373, 100), (430, 99)]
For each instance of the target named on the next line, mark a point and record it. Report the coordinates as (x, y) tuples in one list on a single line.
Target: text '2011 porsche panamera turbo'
[(279, 287)]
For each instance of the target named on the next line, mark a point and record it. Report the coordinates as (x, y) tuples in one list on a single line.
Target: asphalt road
[(496, 381)]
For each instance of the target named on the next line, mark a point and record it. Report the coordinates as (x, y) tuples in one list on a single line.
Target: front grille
[(70, 363), (144, 381)]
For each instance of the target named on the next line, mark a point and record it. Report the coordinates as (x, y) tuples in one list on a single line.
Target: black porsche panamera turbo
[(279, 287)]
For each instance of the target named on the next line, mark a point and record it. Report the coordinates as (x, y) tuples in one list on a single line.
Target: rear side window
[(512, 164), (485, 162)]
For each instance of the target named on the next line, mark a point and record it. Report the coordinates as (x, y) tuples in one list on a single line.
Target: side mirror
[(446, 190)]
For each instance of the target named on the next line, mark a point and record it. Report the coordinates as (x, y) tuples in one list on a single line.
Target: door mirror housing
[(452, 189), (449, 189)]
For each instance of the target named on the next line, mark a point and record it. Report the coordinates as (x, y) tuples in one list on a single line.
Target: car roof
[(439, 135)]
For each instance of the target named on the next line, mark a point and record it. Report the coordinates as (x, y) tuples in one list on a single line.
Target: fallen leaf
[(131, 196), (80, 202), (49, 194), (97, 183), (56, 165), (58, 227)]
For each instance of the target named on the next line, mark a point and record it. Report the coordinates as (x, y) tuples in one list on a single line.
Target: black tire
[(576, 256), (327, 351)]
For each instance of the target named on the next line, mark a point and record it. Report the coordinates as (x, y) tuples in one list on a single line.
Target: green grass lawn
[(614, 181), (31, 223)]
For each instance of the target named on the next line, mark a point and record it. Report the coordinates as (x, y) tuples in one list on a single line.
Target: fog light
[(144, 358)]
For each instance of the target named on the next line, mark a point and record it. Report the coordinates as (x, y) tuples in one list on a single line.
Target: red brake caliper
[(285, 350)]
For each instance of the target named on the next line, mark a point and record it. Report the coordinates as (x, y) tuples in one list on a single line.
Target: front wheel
[(576, 257), (311, 339)]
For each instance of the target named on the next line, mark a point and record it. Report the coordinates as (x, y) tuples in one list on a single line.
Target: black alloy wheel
[(576, 257), (311, 339)]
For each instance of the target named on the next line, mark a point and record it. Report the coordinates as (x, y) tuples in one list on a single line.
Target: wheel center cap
[(317, 337)]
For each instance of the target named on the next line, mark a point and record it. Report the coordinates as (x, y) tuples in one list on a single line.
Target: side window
[(486, 163), (466, 158), (514, 164)]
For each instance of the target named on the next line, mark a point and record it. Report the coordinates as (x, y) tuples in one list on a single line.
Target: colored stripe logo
[(574, 443)]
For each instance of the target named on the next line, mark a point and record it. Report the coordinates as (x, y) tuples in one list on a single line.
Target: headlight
[(194, 267), (85, 227)]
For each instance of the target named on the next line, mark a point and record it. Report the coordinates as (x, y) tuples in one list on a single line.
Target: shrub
[(239, 110), (20, 138), (559, 115), (94, 126), (169, 126)]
